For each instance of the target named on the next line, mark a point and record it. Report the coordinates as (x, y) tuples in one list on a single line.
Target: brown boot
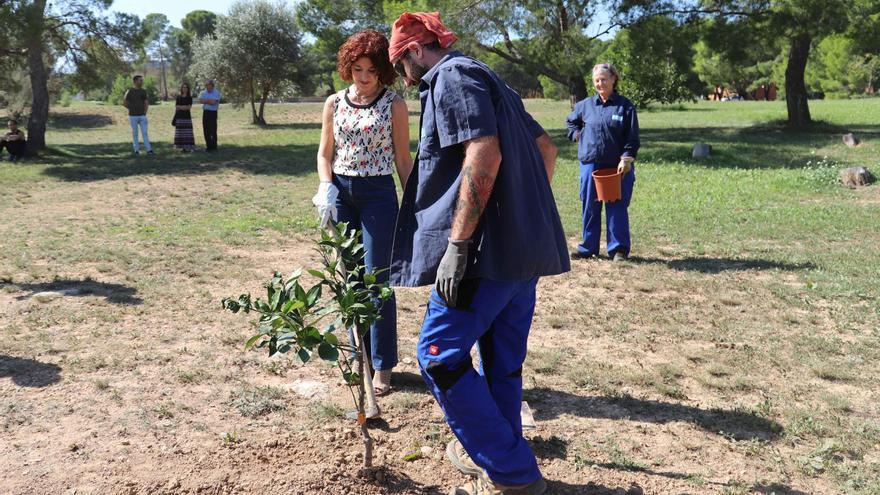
[(483, 486)]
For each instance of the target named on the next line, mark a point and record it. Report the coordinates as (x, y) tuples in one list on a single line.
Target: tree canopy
[(74, 33), (256, 51)]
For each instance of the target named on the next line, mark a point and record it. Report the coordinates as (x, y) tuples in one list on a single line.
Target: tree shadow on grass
[(92, 162), (776, 489), (740, 425), (113, 293), (718, 265), (590, 488), (768, 145), (78, 121), (29, 372)]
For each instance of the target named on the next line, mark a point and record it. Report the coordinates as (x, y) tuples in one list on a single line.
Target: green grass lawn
[(753, 283), (766, 195)]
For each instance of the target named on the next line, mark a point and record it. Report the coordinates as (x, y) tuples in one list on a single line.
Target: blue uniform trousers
[(617, 214), (370, 205), (483, 406)]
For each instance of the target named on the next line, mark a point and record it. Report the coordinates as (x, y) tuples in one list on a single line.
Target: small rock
[(426, 451), (47, 296), (172, 485), (310, 389), (50, 295), (850, 140), (701, 150), (407, 360), (856, 177)]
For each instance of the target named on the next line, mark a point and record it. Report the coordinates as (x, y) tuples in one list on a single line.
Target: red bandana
[(419, 27)]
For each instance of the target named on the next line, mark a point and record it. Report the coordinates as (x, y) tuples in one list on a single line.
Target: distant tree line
[(667, 51)]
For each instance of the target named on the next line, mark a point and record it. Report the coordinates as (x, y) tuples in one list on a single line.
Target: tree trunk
[(795, 87), (331, 84), (362, 403), (577, 89), (164, 77), (253, 107), (263, 97), (39, 76)]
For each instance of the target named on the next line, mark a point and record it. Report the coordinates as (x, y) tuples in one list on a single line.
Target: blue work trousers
[(370, 205), (616, 213), (483, 406)]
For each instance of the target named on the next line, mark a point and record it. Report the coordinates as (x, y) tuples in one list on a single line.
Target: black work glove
[(451, 270)]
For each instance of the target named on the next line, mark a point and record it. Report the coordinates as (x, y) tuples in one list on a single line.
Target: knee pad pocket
[(444, 377)]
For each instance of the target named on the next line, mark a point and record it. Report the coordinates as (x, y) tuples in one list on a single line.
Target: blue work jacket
[(607, 130), (519, 236)]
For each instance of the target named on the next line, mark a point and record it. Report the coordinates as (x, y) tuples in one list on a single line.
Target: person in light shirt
[(364, 141)]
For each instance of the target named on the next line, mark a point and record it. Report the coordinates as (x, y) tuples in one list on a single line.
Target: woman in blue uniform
[(607, 131)]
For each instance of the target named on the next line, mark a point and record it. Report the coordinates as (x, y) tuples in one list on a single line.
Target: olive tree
[(255, 52)]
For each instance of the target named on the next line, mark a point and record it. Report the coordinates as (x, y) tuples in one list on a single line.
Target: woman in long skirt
[(184, 139)]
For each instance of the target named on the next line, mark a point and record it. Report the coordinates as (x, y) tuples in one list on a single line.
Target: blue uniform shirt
[(607, 130), (519, 235), (211, 95)]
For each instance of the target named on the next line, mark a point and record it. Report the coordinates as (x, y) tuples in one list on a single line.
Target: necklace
[(363, 99)]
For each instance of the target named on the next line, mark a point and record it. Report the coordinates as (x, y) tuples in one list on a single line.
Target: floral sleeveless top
[(363, 136)]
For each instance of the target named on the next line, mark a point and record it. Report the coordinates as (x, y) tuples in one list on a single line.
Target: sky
[(175, 10)]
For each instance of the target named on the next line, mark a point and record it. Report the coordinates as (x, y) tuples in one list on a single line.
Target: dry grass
[(726, 357)]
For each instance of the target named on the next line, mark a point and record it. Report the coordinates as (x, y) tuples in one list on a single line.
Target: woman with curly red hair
[(364, 138)]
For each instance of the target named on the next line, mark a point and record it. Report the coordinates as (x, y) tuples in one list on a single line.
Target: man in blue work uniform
[(607, 130), (478, 220)]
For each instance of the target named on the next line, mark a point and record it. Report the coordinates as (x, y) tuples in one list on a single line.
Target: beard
[(417, 73)]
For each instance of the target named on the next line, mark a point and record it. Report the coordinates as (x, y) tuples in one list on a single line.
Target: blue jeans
[(617, 213), (139, 121), (482, 406), (370, 205)]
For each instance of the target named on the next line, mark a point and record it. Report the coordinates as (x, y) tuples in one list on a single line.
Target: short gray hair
[(607, 67), (210, 81)]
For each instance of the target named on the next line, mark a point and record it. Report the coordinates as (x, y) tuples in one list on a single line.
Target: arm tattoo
[(480, 168)]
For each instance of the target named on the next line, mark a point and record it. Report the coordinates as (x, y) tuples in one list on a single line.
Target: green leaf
[(291, 305), (352, 378), (274, 298), (317, 274), (251, 341), (386, 293), (331, 338), (284, 337), (313, 295), (300, 293), (369, 278), (328, 352), (303, 356)]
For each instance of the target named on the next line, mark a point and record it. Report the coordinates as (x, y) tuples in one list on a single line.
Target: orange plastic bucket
[(607, 183)]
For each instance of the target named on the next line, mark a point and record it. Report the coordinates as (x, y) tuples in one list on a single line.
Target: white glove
[(325, 200), (625, 164)]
